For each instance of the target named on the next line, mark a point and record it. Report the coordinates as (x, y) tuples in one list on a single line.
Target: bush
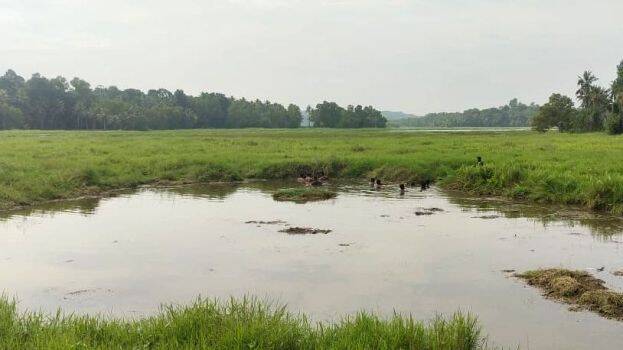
[(613, 124)]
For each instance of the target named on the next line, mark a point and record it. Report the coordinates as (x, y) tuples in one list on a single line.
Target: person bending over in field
[(302, 178), (315, 182), (323, 177)]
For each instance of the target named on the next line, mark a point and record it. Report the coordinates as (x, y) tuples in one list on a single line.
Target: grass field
[(582, 169), (237, 324)]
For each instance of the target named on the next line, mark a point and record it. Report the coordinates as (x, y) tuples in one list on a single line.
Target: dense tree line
[(42, 103), (514, 113), (331, 115), (600, 108)]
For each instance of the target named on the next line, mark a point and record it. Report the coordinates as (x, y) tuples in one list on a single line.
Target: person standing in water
[(402, 189), (377, 184)]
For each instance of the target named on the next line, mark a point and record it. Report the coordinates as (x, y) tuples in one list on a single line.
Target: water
[(127, 254)]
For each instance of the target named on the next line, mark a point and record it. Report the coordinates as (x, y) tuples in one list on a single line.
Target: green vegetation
[(303, 194), (330, 115), (41, 103), (600, 109), (513, 114), (49, 104), (577, 288), (238, 324), (581, 169)]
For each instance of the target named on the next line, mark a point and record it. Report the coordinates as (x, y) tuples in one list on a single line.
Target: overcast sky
[(414, 56)]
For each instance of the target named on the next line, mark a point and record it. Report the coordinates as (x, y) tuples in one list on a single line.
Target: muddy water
[(126, 255)]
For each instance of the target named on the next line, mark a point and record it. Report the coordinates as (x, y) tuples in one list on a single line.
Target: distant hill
[(391, 115), (513, 114)]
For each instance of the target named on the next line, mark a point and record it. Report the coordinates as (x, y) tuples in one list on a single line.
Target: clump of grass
[(236, 324), (577, 288), (215, 173), (303, 195)]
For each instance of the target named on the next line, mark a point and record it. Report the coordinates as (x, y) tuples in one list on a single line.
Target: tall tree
[(557, 112), (585, 87)]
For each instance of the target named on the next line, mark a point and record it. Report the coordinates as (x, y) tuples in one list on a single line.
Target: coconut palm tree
[(585, 84)]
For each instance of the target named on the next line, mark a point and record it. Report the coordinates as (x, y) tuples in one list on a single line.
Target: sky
[(412, 56)]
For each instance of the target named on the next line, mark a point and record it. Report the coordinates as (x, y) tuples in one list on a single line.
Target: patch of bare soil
[(577, 288), (427, 211), (304, 231)]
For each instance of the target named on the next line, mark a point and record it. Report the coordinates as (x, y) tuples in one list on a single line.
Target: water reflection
[(601, 225), (85, 206)]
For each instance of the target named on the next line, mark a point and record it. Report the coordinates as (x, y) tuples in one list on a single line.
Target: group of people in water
[(313, 180), (375, 183)]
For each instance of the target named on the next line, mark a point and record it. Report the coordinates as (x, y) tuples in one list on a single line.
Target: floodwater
[(125, 255)]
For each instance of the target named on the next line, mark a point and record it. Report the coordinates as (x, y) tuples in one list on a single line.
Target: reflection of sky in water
[(124, 255)]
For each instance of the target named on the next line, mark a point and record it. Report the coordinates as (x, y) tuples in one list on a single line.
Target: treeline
[(331, 115), (42, 103), (514, 113), (600, 109)]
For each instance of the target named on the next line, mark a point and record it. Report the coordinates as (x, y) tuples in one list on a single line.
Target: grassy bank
[(243, 324), (582, 169)]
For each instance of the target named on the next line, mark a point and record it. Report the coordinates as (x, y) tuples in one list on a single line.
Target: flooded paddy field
[(127, 254)]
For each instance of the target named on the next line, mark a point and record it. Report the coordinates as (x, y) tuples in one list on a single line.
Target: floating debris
[(508, 270), (272, 222), (428, 211), (78, 292), (304, 231)]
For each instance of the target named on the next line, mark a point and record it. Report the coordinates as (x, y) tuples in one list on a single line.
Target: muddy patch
[(618, 273), (304, 231), (577, 288), (427, 211), (270, 222)]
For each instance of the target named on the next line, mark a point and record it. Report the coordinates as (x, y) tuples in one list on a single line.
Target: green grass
[(582, 169), (237, 324), (303, 194)]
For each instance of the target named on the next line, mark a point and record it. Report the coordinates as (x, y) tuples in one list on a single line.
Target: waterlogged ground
[(127, 254)]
